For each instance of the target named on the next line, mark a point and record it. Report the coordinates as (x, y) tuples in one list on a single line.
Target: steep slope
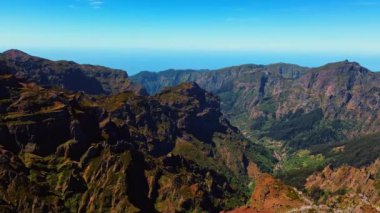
[(301, 114), (339, 99), (241, 88), (214, 80), (352, 178), (154, 82), (68, 147), (64, 151), (68, 75), (347, 187)]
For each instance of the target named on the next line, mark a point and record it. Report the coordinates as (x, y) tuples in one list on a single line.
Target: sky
[(160, 34)]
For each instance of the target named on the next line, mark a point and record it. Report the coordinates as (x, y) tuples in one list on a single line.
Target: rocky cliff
[(82, 138), (309, 118), (261, 99), (347, 187), (66, 151)]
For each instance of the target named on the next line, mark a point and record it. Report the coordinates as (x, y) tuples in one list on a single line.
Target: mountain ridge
[(69, 151), (278, 65), (309, 118), (68, 74), (247, 88), (80, 149)]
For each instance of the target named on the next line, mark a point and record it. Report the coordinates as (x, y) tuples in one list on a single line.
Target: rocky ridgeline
[(68, 151), (330, 111), (82, 138), (68, 75), (343, 90)]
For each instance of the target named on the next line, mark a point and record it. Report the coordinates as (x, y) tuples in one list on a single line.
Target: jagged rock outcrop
[(105, 146), (292, 110), (271, 195), (347, 187), (65, 151)]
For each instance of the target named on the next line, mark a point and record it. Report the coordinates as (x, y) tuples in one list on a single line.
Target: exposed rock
[(349, 187), (344, 91), (125, 152)]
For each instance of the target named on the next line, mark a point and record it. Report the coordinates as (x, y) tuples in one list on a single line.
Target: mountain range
[(250, 138), (282, 101), (310, 118)]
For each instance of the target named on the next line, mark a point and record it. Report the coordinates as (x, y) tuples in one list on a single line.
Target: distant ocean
[(134, 61)]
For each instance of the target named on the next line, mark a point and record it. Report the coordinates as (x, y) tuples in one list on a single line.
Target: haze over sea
[(138, 35)]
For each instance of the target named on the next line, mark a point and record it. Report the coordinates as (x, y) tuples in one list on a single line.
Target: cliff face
[(69, 151), (344, 91), (239, 87), (103, 145), (310, 118), (258, 99)]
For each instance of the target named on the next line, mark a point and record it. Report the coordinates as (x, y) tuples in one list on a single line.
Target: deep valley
[(249, 138)]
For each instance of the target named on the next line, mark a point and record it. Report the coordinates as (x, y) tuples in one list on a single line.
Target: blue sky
[(257, 31)]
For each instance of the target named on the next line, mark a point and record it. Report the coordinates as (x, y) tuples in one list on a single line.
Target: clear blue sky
[(323, 29)]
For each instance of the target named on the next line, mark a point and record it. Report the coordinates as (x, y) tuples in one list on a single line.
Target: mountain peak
[(188, 88), (185, 92), (343, 67), (343, 63), (14, 53)]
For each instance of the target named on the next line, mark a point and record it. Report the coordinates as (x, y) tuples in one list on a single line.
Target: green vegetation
[(258, 123), (320, 196), (193, 151), (325, 132), (295, 123), (296, 168), (243, 122), (301, 130), (172, 97), (358, 152), (268, 106), (377, 185), (113, 103), (230, 98), (262, 157)]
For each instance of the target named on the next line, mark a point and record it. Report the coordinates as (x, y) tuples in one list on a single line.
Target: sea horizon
[(134, 61)]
